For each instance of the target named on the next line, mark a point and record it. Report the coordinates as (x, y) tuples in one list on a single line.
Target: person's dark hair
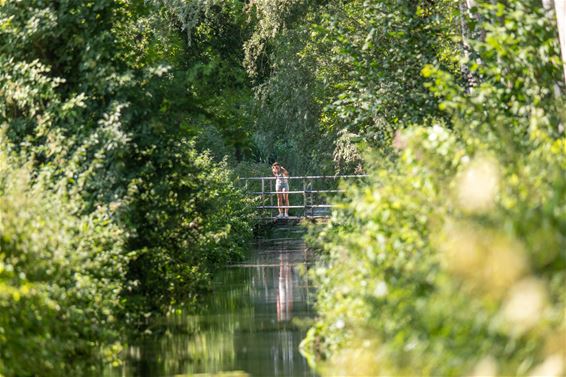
[(275, 164)]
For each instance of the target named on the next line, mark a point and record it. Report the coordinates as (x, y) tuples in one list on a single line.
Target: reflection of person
[(282, 187), (284, 290)]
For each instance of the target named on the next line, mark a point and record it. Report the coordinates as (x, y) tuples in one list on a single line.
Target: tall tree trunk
[(560, 6), (548, 5), (465, 12), (556, 10)]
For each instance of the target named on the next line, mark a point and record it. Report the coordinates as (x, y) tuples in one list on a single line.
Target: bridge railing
[(311, 205)]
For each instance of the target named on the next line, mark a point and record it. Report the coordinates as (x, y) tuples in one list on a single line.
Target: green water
[(250, 325)]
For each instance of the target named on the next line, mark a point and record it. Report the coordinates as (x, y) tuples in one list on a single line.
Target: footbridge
[(309, 196)]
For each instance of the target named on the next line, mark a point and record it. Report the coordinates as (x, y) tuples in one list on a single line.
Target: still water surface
[(248, 326)]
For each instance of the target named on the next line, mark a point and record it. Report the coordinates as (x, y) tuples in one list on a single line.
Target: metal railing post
[(304, 198), (312, 199), (271, 196), (262, 193)]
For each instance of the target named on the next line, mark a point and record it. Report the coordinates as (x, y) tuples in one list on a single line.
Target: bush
[(114, 120), (188, 218), (102, 100), (445, 261), (451, 260), (61, 274)]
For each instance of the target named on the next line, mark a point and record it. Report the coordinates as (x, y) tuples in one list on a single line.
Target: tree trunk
[(465, 8), (560, 6), (548, 4)]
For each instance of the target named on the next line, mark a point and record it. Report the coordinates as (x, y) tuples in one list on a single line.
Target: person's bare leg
[(286, 201), (280, 203)]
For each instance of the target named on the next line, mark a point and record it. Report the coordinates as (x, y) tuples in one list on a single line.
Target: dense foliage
[(125, 122), (111, 205), (61, 274), (342, 75), (451, 260)]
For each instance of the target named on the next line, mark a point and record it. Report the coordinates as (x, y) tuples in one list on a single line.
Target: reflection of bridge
[(310, 202)]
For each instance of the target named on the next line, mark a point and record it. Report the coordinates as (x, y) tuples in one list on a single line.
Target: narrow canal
[(250, 325)]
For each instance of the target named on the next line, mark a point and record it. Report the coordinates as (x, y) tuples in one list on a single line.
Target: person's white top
[(280, 178)]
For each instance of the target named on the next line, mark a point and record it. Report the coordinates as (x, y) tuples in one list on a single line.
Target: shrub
[(451, 260), (189, 219), (447, 261), (61, 274)]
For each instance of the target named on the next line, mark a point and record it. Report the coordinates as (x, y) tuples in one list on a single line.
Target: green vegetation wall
[(111, 204), (124, 120), (61, 274), (335, 77), (451, 259)]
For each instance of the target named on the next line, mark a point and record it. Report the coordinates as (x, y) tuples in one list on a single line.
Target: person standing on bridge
[(282, 187)]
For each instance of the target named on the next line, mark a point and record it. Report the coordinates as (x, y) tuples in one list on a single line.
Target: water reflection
[(285, 289), (246, 326)]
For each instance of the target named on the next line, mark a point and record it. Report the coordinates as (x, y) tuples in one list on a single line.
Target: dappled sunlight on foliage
[(61, 275), (126, 126), (435, 283), (127, 204), (451, 260)]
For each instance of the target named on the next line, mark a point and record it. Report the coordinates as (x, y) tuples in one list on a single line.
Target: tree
[(561, 18)]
